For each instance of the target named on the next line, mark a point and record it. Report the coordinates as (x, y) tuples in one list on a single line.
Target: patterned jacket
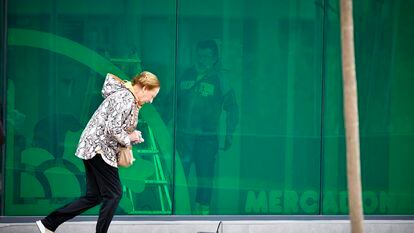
[(108, 129)]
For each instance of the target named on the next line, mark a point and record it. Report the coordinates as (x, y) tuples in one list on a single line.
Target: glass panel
[(249, 71), (384, 71), (59, 54), (334, 170), (2, 104), (240, 104)]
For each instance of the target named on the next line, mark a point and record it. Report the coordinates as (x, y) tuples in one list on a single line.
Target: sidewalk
[(282, 226)]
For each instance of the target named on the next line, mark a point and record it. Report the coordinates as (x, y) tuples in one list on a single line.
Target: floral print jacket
[(108, 129)]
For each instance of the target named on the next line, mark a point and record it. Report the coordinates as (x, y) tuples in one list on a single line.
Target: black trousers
[(103, 186)]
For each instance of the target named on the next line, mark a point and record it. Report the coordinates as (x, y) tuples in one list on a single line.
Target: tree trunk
[(351, 118)]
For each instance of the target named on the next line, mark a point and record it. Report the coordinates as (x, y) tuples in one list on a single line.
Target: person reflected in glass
[(112, 126), (203, 94)]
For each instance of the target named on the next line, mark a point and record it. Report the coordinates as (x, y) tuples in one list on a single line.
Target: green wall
[(260, 133)]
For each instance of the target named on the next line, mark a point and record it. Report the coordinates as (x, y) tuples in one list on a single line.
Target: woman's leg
[(69, 211), (110, 189)]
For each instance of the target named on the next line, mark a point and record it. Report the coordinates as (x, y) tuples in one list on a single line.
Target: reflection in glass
[(202, 94)]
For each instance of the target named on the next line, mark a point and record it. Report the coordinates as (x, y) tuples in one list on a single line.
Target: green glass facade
[(249, 118)]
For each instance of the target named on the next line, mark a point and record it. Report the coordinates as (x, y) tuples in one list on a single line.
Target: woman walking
[(111, 127)]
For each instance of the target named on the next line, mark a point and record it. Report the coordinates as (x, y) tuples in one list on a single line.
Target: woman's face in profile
[(148, 95)]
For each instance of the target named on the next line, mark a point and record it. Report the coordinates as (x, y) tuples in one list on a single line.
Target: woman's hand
[(136, 137)]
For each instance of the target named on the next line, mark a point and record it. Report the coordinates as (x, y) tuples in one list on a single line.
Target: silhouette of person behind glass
[(203, 93)]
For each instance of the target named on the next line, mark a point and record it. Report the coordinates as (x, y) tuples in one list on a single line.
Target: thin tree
[(351, 118)]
